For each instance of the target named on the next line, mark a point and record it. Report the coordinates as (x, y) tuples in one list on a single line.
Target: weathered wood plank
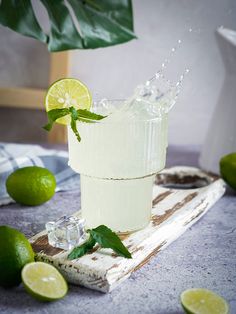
[(174, 210)]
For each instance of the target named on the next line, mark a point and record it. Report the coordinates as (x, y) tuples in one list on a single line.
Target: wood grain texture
[(174, 210), (29, 98), (33, 98)]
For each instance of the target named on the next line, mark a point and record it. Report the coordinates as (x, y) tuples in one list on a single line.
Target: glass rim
[(157, 118)]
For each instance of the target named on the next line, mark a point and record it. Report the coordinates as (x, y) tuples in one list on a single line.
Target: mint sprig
[(82, 249), (106, 238), (82, 115)]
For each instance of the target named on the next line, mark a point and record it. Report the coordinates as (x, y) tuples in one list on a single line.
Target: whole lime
[(15, 253), (228, 169), (31, 185)]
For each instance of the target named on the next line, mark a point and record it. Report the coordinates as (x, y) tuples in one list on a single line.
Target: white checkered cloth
[(13, 156)]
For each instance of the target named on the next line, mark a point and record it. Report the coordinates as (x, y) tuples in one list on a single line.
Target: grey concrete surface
[(204, 256)]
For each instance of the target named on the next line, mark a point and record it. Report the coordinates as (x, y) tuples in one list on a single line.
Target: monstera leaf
[(101, 23)]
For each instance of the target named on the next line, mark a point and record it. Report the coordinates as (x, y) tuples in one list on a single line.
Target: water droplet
[(173, 49), (190, 30), (179, 41)]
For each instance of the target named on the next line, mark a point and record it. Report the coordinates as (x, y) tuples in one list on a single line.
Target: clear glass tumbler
[(117, 160)]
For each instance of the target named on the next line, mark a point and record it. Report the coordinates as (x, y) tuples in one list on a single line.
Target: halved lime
[(65, 93), (203, 301), (43, 281)]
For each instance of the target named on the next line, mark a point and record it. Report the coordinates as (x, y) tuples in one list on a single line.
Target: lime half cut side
[(66, 93), (43, 281), (203, 301)]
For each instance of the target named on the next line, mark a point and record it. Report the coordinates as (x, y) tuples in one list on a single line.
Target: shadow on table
[(14, 300), (17, 300)]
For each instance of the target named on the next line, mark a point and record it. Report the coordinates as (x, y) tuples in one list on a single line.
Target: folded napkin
[(13, 156)]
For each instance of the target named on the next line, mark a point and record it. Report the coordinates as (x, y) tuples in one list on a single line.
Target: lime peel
[(228, 169), (15, 252), (31, 185)]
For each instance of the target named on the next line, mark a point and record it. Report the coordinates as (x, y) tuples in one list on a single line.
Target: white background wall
[(115, 71)]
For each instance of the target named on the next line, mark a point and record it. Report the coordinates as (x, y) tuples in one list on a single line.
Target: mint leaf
[(106, 238), (53, 115), (109, 239), (82, 115), (82, 249), (74, 118)]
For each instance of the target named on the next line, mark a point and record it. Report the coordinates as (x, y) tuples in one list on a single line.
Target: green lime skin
[(31, 185), (15, 253), (228, 169)]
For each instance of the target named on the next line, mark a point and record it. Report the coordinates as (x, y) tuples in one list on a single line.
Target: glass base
[(122, 205)]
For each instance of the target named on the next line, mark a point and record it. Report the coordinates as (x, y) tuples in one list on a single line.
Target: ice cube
[(66, 232)]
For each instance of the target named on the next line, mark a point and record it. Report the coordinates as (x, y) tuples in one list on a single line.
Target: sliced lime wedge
[(43, 281), (66, 93), (203, 301)]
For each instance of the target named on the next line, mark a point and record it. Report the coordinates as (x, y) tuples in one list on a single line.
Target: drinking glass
[(117, 160)]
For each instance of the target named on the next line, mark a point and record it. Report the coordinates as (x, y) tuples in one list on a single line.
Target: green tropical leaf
[(63, 34), (104, 23), (101, 23), (19, 16)]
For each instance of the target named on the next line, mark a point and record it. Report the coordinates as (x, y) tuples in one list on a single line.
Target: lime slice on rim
[(66, 93), (43, 281), (203, 301)]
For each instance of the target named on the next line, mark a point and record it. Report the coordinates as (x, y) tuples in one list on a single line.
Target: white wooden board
[(174, 210)]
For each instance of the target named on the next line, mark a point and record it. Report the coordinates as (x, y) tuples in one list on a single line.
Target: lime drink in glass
[(119, 156)]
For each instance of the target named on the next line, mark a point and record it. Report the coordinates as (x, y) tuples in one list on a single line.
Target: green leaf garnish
[(82, 249), (88, 115), (109, 239), (74, 118), (53, 115), (106, 238), (82, 115)]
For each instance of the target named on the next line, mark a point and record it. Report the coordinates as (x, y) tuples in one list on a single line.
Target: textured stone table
[(204, 256)]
